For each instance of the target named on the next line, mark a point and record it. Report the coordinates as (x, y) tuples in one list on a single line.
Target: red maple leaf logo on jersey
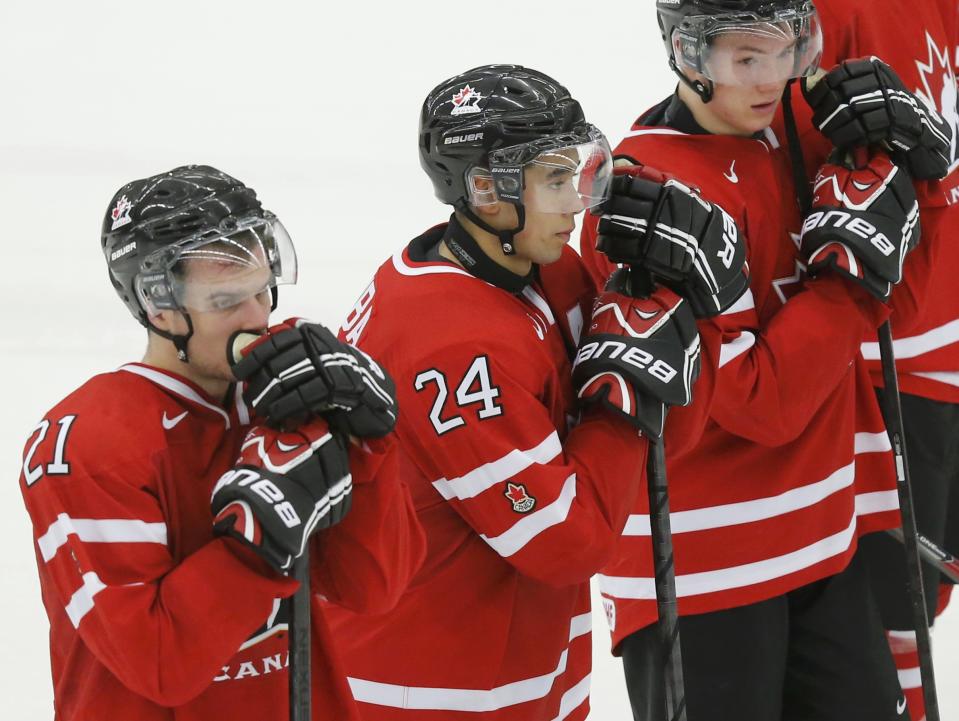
[(522, 501)]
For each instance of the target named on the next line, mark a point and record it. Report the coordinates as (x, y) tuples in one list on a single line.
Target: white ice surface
[(315, 105)]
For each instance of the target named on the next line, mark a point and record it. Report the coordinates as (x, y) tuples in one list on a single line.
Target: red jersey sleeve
[(552, 508), (768, 381), (366, 562), (162, 628)]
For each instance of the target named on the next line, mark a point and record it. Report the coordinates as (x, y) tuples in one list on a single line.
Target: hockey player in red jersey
[(161, 564), (919, 41), (478, 319), (792, 464)]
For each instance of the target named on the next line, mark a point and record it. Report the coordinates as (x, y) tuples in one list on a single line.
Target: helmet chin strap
[(506, 237), (703, 89), (179, 341)]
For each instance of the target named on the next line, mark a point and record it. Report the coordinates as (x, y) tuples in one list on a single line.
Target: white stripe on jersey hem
[(917, 345), (172, 384), (735, 348), (81, 602), (909, 678), (91, 530), (428, 698), (573, 698), (872, 443), (536, 299), (438, 269), (746, 302), (489, 474), (950, 378), (876, 502), (526, 529), (761, 509), (724, 579)]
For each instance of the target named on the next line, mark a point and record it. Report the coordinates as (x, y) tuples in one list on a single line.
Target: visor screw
[(507, 247)]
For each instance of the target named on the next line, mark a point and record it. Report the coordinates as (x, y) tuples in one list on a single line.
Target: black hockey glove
[(863, 102), (863, 222), (639, 354), (299, 370), (284, 486), (688, 244)]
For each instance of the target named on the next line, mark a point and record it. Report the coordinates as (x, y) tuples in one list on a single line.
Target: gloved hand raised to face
[(284, 487), (638, 355), (299, 370), (658, 223), (863, 102), (864, 220)]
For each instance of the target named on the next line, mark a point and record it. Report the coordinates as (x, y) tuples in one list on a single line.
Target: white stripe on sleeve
[(919, 344), (91, 530), (489, 474), (527, 528), (82, 600), (736, 348)]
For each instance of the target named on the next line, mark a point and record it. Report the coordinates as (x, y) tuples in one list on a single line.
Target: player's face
[(751, 72), (234, 298), (549, 186)]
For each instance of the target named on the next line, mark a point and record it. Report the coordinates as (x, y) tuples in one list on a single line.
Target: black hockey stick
[(641, 284), (894, 426), (299, 668), (666, 603), (940, 559)]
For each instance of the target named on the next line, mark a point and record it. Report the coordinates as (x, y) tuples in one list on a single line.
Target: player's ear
[(170, 321)]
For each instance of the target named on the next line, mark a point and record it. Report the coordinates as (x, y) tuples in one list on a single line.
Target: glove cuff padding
[(683, 241)]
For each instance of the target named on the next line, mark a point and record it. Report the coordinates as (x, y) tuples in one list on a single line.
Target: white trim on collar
[(174, 386)]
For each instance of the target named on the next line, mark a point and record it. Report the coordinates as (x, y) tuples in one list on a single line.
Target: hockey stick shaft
[(666, 603), (894, 426), (299, 668), (939, 558)]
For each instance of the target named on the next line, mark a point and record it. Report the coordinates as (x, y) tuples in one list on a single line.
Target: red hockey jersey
[(790, 463), (920, 40), (519, 509), (150, 616)]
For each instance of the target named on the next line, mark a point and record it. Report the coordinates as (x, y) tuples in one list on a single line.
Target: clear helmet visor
[(561, 174), (220, 270), (746, 51)]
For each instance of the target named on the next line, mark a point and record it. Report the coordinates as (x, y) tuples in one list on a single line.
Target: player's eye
[(747, 62)]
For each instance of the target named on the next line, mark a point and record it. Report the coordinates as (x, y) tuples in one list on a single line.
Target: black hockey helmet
[(690, 29), (156, 226), (493, 120)]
